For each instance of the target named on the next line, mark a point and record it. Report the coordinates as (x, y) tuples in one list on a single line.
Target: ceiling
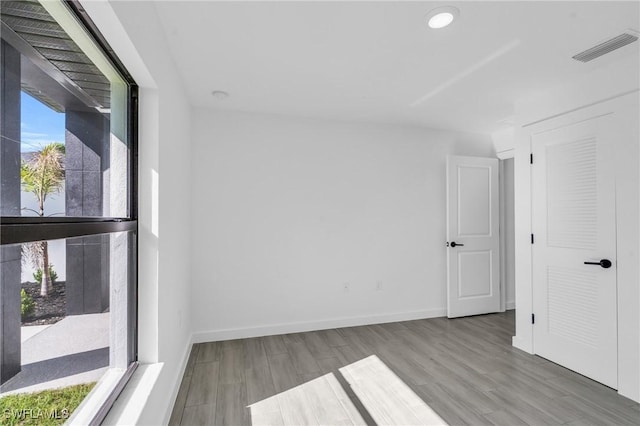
[(380, 62)]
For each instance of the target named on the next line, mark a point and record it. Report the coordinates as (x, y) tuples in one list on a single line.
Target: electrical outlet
[(345, 287), (379, 286)]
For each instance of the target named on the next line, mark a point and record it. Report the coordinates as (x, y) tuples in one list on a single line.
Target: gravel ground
[(48, 310)]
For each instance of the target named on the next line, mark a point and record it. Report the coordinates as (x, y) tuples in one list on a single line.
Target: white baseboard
[(176, 388), (299, 327), (511, 304)]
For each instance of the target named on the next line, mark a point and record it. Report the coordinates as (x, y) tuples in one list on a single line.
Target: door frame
[(503, 155), (623, 107)]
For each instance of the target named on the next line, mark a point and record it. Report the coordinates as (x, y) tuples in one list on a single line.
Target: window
[(68, 216)]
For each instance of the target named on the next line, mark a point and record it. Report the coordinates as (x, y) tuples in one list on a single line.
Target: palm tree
[(42, 174)]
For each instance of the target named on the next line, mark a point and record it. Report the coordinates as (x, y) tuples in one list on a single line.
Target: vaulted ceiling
[(380, 62)]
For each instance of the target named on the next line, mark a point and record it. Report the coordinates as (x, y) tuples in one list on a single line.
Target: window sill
[(102, 397), (128, 408)]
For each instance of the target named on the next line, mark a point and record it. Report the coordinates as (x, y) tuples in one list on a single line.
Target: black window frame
[(16, 230)]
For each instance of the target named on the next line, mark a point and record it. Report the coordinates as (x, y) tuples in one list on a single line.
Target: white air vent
[(608, 46)]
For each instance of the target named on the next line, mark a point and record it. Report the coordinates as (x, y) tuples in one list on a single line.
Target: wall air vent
[(608, 46)]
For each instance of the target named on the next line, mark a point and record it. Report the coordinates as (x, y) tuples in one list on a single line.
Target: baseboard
[(176, 388), (299, 327), (510, 305)]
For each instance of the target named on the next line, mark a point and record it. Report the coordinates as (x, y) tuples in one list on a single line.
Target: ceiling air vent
[(608, 46)]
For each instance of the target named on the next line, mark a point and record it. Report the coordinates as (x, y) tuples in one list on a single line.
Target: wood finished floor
[(464, 369)]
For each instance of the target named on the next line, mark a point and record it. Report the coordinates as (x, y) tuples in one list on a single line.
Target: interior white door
[(473, 243), (574, 250)]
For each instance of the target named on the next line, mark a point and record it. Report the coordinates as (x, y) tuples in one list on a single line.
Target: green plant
[(37, 275), (42, 174), (26, 303), (46, 408)]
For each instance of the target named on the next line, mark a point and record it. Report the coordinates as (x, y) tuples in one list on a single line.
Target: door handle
[(605, 263), (454, 244)]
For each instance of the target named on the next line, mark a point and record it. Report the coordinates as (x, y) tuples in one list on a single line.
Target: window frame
[(17, 229)]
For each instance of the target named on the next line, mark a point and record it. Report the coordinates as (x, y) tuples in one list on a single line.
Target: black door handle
[(605, 263), (454, 244)]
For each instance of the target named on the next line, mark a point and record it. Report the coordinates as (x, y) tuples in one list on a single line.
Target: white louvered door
[(573, 222)]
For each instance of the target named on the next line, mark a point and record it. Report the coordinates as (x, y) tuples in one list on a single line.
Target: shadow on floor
[(56, 368)]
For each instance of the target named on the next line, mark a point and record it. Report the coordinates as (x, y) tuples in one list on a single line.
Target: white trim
[(133, 399), (176, 387), (511, 304), (503, 238), (90, 405), (506, 154), (299, 327), (561, 115), (131, 403), (522, 228), (607, 82)]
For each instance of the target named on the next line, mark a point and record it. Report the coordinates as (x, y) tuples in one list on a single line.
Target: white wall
[(509, 231), (286, 211), (164, 269), (503, 142), (598, 91)]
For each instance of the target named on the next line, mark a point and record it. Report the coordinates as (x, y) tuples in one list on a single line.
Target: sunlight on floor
[(386, 397), (319, 401), (323, 400)]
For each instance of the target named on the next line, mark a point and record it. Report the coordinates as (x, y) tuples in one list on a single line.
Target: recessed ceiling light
[(441, 16), (219, 94)]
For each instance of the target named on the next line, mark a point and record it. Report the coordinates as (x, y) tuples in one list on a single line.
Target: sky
[(40, 125)]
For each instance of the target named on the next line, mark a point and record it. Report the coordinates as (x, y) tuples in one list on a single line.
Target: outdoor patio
[(72, 351)]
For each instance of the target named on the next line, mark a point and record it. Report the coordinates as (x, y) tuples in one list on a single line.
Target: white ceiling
[(379, 62)]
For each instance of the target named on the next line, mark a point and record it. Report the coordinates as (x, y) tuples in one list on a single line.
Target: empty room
[(320, 212)]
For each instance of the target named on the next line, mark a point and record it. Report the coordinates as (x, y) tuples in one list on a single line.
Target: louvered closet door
[(573, 223)]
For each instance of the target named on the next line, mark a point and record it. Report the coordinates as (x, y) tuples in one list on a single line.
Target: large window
[(68, 211)]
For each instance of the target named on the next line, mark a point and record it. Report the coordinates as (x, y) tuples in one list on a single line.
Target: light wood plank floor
[(465, 370)]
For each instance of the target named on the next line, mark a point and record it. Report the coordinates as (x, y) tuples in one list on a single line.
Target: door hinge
[(533, 318), (531, 158), (532, 239)]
